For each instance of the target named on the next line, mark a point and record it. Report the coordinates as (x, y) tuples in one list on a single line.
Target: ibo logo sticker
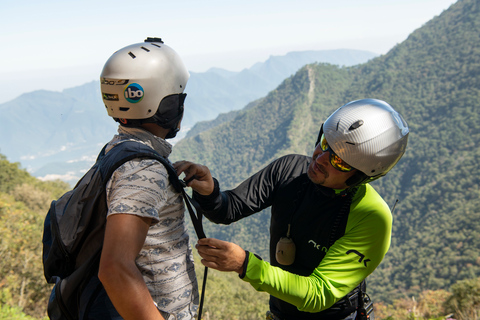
[(133, 93)]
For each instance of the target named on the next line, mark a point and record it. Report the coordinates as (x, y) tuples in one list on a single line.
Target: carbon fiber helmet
[(144, 82), (369, 135)]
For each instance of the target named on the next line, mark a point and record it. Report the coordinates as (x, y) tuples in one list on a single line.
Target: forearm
[(311, 294), (128, 292), (252, 196)]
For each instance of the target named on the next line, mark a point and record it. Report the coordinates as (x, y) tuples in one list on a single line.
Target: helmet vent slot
[(156, 45), (356, 125), (145, 49), (124, 109), (132, 55)]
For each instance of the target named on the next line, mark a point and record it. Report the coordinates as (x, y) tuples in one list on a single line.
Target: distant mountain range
[(58, 134), (218, 91)]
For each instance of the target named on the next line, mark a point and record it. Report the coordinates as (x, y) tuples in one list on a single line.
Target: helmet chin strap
[(173, 125), (358, 178), (172, 133), (319, 136), (361, 178)]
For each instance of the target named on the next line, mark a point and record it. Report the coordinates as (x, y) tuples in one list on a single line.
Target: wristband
[(245, 265)]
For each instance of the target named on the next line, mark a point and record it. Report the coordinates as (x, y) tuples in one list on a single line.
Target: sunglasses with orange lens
[(335, 160)]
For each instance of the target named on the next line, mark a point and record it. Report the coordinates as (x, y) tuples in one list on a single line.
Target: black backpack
[(74, 229)]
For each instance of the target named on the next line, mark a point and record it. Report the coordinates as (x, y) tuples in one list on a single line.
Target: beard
[(317, 173)]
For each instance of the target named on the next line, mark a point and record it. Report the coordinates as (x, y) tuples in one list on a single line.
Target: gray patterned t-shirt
[(142, 188)]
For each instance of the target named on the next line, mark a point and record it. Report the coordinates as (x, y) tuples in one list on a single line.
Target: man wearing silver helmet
[(146, 265), (329, 228)]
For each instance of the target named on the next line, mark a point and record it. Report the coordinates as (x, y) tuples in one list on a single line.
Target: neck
[(156, 129)]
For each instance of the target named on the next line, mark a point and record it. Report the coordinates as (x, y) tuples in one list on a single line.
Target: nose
[(321, 156)]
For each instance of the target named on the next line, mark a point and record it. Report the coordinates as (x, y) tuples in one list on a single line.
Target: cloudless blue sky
[(55, 45)]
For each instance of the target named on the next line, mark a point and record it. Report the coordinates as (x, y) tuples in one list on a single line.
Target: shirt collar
[(139, 134)]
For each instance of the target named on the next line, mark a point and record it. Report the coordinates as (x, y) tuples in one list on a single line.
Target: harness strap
[(196, 217)]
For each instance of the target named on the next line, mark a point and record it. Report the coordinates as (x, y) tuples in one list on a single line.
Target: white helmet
[(136, 79), (369, 135)]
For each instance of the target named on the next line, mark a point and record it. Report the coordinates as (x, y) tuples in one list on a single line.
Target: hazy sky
[(55, 45)]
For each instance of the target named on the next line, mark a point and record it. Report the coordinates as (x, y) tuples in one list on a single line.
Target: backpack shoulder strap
[(130, 150)]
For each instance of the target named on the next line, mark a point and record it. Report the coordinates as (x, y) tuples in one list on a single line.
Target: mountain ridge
[(45, 130), (432, 79)]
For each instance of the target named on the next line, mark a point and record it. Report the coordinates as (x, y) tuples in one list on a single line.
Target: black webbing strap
[(361, 312), (196, 216)]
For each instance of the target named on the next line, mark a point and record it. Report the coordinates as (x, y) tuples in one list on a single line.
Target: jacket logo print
[(317, 246), (360, 255)]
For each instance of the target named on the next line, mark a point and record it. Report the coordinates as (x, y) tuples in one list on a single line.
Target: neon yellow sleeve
[(348, 261)]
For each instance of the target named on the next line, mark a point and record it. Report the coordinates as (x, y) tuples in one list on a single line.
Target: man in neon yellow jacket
[(329, 228)]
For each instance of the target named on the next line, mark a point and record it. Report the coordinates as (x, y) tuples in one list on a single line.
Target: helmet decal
[(112, 82), (133, 93), (110, 96)]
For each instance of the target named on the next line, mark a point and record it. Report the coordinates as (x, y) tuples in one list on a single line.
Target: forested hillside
[(433, 79), (23, 203), (24, 292)]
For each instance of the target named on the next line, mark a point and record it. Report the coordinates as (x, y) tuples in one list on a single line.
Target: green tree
[(21, 269), (465, 299)]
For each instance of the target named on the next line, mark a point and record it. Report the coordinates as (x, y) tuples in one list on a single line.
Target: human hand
[(197, 176), (221, 255)]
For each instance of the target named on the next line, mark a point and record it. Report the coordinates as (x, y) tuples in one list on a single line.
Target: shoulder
[(141, 167), (368, 207), (140, 187), (367, 199), (140, 174), (282, 169), (369, 225), (292, 163), (294, 158)]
